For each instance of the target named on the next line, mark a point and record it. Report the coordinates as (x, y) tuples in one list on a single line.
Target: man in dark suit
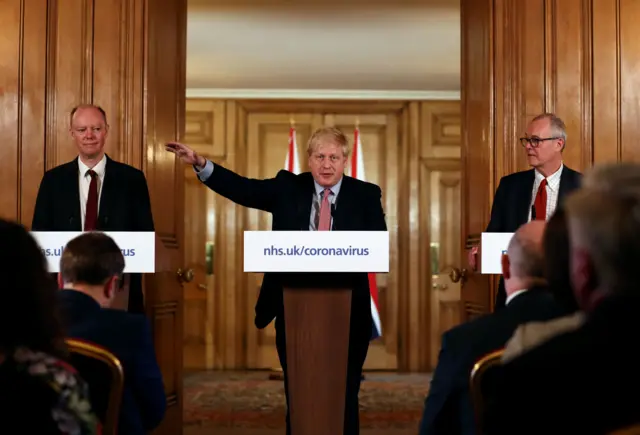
[(585, 381), (448, 407), (90, 268), (94, 192), (536, 193), (318, 200)]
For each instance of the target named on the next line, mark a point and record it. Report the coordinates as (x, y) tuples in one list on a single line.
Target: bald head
[(525, 251)]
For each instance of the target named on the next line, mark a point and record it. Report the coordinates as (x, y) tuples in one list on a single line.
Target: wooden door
[(478, 185), (165, 123)]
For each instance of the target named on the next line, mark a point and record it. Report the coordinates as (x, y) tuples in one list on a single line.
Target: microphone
[(533, 212)]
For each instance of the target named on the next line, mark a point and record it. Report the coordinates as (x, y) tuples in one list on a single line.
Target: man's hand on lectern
[(186, 154), (473, 258)]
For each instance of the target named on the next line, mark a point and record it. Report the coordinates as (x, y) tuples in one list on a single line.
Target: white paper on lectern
[(492, 246), (316, 251), (138, 248)]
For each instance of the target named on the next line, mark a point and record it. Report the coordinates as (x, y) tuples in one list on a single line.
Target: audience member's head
[(28, 310), (618, 178), (523, 265), (556, 261), (604, 229), (93, 264)]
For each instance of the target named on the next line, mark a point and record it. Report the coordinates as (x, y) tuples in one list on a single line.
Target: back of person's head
[(92, 263), (28, 312), (604, 229), (523, 265), (556, 261), (605, 244), (619, 178)]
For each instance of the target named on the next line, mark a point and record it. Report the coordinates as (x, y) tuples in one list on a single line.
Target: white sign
[(138, 248), (492, 247), (316, 251)]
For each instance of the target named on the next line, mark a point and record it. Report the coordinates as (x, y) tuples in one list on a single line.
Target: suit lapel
[(305, 201), (566, 184), (108, 193), (524, 197), (72, 186)]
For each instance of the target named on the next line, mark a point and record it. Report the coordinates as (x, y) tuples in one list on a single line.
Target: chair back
[(102, 370), (477, 379)]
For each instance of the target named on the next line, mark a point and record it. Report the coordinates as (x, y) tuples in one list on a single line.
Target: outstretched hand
[(186, 154)]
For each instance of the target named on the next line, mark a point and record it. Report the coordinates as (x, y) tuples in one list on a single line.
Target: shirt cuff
[(204, 173)]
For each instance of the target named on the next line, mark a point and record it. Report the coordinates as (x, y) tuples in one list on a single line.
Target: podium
[(318, 271)]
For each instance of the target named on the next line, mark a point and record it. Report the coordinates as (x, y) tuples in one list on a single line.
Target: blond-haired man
[(321, 199)]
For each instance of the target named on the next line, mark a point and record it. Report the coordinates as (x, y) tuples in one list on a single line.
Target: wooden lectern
[(317, 312)]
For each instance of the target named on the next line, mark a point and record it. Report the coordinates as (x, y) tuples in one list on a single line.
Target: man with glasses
[(533, 194), (322, 199)]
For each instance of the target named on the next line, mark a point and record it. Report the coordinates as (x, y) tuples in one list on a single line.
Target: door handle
[(457, 274), (185, 275)]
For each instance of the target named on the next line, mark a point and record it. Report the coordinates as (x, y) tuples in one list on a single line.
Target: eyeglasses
[(535, 141)]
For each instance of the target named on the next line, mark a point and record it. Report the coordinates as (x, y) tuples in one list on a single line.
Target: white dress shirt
[(205, 173), (85, 182), (553, 187)]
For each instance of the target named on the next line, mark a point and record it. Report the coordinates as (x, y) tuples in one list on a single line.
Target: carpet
[(251, 400)]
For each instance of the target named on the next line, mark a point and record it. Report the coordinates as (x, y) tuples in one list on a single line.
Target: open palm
[(184, 153)]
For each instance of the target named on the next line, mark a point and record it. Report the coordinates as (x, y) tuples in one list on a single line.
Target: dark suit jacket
[(448, 408), (128, 336), (288, 197), (124, 206), (582, 382), (512, 203)]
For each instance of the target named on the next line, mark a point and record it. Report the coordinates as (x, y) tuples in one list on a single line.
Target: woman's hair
[(557, 261), (28, 311)]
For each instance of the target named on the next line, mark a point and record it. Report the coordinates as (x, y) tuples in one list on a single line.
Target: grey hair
[(557, 126)]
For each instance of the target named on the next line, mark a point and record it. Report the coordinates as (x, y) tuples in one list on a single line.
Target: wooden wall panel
[(576, 58), (129, 58)]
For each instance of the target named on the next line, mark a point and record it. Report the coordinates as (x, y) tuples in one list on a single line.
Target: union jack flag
[(357, 171)]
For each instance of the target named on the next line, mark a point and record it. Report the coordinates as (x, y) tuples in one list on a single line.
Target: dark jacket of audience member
[(90, 268), (585, 381)]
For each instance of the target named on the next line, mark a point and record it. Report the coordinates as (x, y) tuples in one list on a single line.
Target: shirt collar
[(553, 180), (99, 168), (335, 188), (513, 295)]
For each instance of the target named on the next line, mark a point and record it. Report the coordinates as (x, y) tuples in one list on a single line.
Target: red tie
[(540, 203), (91, 217), (324, 223)]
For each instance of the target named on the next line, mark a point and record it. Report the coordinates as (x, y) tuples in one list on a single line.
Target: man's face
[(327, 163), (540, 152), (89, 132)]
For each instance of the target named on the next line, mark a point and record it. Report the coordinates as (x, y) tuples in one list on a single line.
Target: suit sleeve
[(248, 192), (43, 210), (376, 216), (439, 416), (144, 215), (146, 380), (496, 223)]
